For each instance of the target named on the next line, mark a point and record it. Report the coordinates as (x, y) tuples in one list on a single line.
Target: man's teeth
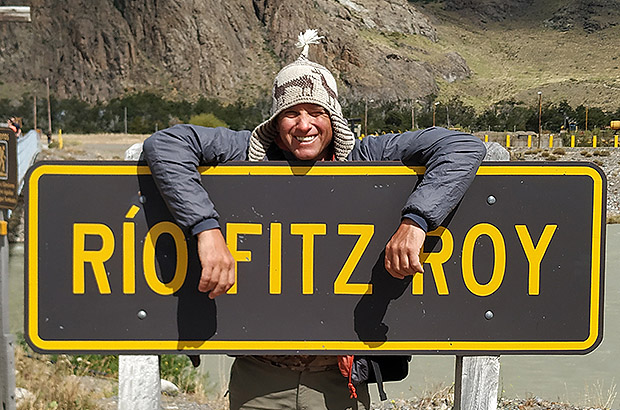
[(305, 139)]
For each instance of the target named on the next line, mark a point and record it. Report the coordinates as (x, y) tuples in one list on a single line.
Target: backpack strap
[(377, 370)]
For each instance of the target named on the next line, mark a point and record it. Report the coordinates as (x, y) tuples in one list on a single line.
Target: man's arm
[(451, 160), (173, 156)]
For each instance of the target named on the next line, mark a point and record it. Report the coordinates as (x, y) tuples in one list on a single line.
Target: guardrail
[(28, 147)]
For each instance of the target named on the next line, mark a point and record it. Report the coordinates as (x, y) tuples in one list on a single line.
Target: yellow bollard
[(59, 139), (551, 141), (529, 141), (508, 141), (615, 141), (486, 138), (572, 141), (594, 141)]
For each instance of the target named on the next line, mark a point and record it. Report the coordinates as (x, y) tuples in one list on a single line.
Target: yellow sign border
[(336, 169)]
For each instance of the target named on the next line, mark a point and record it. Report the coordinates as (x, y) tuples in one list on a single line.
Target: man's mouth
[(306, 138)]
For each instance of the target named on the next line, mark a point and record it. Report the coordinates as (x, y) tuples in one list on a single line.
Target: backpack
[(374, 369)]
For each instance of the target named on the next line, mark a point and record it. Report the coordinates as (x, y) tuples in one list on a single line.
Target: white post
[(139, 384), (477, 383), (477, 377)]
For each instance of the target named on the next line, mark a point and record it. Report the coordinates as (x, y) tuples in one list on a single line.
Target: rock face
[(590, 15), (98, 49), (490, 10)]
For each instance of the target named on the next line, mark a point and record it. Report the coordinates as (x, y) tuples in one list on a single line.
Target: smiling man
[(306, 125)]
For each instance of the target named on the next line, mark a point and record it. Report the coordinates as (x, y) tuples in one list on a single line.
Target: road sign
[(8, 169), (516, 268)]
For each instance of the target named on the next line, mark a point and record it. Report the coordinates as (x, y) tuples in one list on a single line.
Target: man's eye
[(290, 114), (318, 113)]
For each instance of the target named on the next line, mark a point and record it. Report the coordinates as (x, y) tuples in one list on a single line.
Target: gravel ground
[(607, 158)]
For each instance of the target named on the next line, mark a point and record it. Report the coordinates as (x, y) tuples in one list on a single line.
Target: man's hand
[(402, 253), (218, 265)]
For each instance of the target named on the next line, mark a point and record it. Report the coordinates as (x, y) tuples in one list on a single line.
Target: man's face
[(306, 131)]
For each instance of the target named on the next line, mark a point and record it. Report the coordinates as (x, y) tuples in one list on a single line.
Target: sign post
[(8, 200)]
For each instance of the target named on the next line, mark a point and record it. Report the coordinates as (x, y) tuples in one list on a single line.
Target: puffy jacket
[(451, 159)]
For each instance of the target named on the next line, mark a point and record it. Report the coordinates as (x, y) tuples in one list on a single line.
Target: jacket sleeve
[(173, 156), (451, 160)]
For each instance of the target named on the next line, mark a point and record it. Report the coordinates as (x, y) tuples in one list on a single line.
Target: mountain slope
[(479, 50)]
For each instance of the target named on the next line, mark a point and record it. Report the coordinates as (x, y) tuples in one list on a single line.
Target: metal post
[(125, 109), (7, 354), (366, 117), (539, 117), (49, 108), (34, 113)]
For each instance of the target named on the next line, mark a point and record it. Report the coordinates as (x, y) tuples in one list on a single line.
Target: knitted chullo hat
[(303, 81)]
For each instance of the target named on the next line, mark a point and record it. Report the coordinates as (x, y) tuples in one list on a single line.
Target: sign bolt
[(142, 199), (142, 314), (488, 315), (491, 200)]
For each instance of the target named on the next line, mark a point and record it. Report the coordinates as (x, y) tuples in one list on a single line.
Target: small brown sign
[(8, 169)]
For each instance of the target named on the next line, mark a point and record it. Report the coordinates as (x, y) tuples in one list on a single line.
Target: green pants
[(258, 385)]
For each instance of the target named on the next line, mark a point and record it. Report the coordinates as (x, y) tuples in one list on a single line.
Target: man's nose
[(304, 121)]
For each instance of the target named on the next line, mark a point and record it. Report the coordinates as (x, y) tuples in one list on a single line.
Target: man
[(306, 125), (14, 125)]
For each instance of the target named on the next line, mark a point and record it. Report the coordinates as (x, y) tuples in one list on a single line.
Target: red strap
[(345, 364)]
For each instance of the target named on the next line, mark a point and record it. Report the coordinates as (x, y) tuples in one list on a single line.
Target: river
[(584, 379)]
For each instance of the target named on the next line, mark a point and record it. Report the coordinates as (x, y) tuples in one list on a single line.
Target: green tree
[(207, 120)]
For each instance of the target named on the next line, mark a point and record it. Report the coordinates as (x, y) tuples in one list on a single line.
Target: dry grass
[(57, 384), (90, 382), (517, 57), (600, 397)]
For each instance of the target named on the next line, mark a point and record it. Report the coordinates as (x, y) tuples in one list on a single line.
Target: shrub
[(207, 120), (559, 151)]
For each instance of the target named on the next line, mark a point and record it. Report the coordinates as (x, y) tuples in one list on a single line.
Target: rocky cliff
[(388, 49), (97, 49)]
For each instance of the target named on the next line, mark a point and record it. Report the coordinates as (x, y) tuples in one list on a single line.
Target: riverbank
[(69, 382)]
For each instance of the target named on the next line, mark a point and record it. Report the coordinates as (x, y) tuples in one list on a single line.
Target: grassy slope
[(516, 58)]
